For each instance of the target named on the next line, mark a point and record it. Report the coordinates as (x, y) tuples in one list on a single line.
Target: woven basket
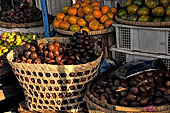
[(144, 24), (54, 87), (94, 103), (89, 33)]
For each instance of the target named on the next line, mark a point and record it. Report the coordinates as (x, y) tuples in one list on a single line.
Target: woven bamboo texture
[(93, 102), (144, 24), (89, 33), (54, 87)]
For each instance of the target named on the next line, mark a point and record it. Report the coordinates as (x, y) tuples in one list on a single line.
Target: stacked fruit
[(146, 10), (8, 41), (149, 88), (22, 14), (85, 15), (79, 51)]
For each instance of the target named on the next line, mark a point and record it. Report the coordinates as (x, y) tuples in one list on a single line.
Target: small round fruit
[(104, 18), (97, 13), (95, 3), (76, 5), (51, 47), (101, 26), (29, 61), (75, 28), (72, 20), (64, 25), (27, 54), (110, 15), (56, 52), (50, 54), (108, 23), (37, 61), (60, 16), (34, 55), (87, 9), (89, 17), (82, 22), (27, 46), (113, 10), (33, 48), (57, 23), (94, 25), (41, 46), (72, 11), (105, 9), (56, 44), (58, 58), (65, 9)]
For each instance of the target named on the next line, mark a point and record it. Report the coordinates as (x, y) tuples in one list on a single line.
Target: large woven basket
[(89, 33), (54, 87), (95, 104), (143, 24)]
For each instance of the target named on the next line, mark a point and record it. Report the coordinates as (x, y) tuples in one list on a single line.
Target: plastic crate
[(123, 56), (143, 39)]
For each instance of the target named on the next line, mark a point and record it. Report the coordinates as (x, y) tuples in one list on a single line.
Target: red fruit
[(56, 52), (50, 54), (23, 58), (56, 44), (29, 61), (51, 47), (58, 58)]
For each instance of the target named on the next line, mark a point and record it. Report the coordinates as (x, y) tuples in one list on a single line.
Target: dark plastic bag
[(136, 67)]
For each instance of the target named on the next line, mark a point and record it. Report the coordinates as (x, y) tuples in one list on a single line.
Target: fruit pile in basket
[(146, 11), (85, 15), (8, 40), (80, 50), (148, 88)]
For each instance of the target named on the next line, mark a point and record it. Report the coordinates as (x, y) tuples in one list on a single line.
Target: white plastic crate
[(123, 56), (144, 39)]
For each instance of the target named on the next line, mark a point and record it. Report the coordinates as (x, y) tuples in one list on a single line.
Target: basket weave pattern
[(54, 87)]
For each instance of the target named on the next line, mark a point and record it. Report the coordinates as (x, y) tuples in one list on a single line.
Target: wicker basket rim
[(145, 24)]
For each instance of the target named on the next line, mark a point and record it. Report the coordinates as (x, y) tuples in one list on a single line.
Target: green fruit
[(26, 39), (152, 3), (121, 12), (22, 37), (1, 41), (158, 11), (30, 36), (138, 2), (124, 17), (143, 11), (132, 9), (168, 11), (128, 2), (164, 2), (18, 37), (156, 19), (13, 34), (1, 54), (133, 18), (167, 19), (143, 19)]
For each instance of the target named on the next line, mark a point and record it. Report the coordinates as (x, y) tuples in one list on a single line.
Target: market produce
[(86, 14), (79, 51), (21, 14), (145, 10), (9, 41), (147, 88)]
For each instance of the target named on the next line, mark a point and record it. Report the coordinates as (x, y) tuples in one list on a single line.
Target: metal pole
[(45, 18)]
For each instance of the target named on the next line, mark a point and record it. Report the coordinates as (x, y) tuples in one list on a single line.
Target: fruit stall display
[(57, 69), (154, 11), (22, 16), (85, 15), (145, 92)]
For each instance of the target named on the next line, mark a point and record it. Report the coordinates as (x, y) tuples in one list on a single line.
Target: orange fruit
[(85, 29), (66, 18), (110, 15), (94, 25), (104, 18), (75, 28), (72, 20), (95, 7), (80, 12), (84, 4), (76, 5), (60, 16), (105, 9), (95, 3), (72, 11), (57, 23), (64, 25), (97, 13), (113, 10), (87, 9), (82, 22), (88, 1), (89, 17), (108, 23), (101, 26), (65, 9)]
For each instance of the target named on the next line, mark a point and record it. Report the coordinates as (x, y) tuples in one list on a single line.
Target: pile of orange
[(85, 15)]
